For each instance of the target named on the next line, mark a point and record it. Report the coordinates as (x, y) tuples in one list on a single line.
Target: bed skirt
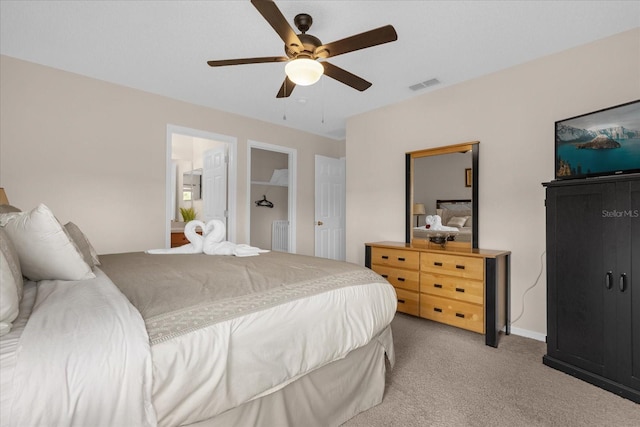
[(328, 396)]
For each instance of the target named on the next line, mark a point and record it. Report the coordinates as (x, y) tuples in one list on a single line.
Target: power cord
[(531, 287)]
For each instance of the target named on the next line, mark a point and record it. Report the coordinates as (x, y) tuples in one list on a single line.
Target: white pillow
[(457, 221), (10, 283), (45, 249)]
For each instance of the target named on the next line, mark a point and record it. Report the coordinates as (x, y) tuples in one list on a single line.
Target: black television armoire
[(593, 281)]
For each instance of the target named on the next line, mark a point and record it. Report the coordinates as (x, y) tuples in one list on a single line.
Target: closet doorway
[(201, 174), (271, 178)]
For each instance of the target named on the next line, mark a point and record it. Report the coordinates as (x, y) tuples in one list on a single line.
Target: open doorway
[(201, 178), (271, 191)]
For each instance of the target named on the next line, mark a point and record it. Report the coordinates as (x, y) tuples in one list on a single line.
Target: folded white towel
[(214, 245), (216, 230), (246, 250), (196, 241), (210, 242), (434, 222)]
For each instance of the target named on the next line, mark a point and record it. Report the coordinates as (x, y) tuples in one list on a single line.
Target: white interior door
[(330, 208), (214, 184)]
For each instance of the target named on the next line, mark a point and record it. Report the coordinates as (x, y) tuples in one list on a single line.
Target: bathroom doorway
[(201, 175)]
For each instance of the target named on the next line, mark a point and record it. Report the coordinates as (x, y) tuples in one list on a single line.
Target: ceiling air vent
[(424, 84)]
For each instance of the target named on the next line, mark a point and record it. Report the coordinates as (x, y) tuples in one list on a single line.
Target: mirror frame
[(474, 147)]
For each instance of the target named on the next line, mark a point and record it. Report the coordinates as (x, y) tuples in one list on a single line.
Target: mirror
[(192, 185), (443, 181)]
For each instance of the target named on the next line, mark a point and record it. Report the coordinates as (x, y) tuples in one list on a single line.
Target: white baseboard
[(528, 334)]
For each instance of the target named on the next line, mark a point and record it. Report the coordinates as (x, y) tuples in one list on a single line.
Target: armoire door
[(581, 254), (628, 283)]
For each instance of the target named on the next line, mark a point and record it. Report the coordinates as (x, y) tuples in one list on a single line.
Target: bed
[(191, 339), (454, 213)]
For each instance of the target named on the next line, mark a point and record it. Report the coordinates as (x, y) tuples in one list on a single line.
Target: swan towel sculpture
[(434, 222), (210, 242)]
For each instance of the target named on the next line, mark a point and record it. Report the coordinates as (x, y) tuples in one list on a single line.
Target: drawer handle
[(460, 290), (385, 257), (460, 267), (400, 259), (437, 264), (400, 279), (385, 276), (401, 301), (437, 285), (460, 315), (439, 310)]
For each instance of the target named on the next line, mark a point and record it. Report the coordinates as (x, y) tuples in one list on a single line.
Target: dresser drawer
[(408, 302), (457, 313), (455, 265), (399, 278), (396, 258), (452, 287)]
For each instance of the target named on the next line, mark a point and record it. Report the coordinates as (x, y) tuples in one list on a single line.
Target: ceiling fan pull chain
[(322, 95), (284, 106)]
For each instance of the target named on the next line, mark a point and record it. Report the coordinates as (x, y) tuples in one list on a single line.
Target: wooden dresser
[(466, 288), (178, 238)]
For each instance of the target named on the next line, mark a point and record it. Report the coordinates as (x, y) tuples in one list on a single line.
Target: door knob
[(320, 223)]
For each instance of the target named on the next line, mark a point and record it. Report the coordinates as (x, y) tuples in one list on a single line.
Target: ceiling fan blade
[(286, 88), (364, 40), (343, 76), (224, 62), (274, 17)]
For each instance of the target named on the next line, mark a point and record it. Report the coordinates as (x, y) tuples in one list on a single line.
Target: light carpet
[(445, 376)]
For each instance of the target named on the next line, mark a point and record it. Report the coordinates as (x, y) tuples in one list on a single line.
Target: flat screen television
[(605, 142)]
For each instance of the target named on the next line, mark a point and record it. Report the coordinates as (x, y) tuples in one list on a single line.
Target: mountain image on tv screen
[(605, 142)]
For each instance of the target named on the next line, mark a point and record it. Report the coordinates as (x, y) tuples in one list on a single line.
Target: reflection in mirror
[(444, 181), (192, 185)]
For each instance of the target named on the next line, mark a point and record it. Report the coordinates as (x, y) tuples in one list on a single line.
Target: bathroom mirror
[(443, 181), (192, 185)]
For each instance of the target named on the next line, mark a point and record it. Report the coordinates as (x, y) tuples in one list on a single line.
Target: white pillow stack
[(45, 249), (36, 245)]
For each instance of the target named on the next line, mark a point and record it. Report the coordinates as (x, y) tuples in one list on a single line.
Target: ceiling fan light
[(304, 71)]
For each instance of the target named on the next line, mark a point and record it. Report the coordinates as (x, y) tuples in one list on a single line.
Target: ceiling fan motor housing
[(310, 43)]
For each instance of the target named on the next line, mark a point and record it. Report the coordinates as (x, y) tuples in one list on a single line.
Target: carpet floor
[(445, 376)]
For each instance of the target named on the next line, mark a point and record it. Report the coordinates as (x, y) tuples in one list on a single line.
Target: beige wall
[(512, 114), (95, 153)]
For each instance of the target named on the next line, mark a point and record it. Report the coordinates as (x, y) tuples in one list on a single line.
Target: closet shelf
[(268, 183)]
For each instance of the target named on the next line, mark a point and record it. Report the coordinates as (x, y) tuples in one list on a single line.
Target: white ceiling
[(162, 47)]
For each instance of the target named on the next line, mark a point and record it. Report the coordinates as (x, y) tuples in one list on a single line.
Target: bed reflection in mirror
[(444, 180)]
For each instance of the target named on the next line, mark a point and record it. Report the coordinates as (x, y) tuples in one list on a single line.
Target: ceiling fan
[(303, 50)]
